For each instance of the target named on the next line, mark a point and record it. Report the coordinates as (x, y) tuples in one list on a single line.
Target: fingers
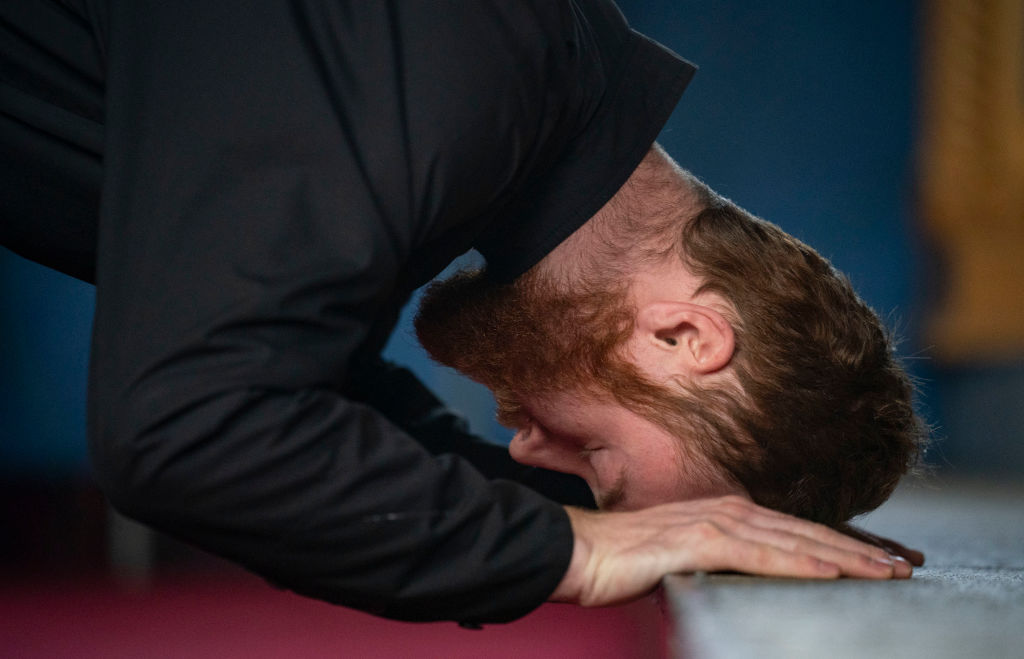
[(849, 562), (618, 556), (769, 561), (738, 536), (855, 558)]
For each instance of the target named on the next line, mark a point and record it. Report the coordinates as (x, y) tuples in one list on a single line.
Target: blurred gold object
[(972, 173)]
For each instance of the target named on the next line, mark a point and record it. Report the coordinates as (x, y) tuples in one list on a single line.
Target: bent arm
[(325, 497), (268, 174)]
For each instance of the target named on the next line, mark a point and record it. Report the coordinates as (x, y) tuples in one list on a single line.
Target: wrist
[(570, 588)]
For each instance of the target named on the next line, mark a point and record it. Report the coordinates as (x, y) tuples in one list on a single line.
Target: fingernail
[(902, 567), (888, 562)]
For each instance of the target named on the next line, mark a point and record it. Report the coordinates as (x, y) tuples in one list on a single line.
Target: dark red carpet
[(223, 616)]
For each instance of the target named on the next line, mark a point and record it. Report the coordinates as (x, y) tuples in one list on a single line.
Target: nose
[(535, 447)]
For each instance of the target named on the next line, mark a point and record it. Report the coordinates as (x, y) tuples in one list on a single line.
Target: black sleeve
[(268, 170)]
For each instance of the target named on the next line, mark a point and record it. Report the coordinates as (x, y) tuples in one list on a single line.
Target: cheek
[(654, 479)]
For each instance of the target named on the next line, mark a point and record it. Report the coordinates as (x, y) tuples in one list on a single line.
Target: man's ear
[(675, 337)]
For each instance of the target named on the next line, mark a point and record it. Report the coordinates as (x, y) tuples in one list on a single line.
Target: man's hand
[(620, 556)]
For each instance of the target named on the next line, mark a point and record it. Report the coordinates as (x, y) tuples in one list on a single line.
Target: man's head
[(676, 347)]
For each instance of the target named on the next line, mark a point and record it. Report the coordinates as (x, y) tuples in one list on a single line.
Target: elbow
[(116, 469), (126, 465)]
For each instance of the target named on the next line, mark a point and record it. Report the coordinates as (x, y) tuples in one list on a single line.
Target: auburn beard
[(526, 339)]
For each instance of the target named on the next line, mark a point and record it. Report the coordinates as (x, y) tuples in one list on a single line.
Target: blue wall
[(45, 320), (801, 112)]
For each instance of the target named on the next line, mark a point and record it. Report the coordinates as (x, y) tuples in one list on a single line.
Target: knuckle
[(723, 521), (706, 529)]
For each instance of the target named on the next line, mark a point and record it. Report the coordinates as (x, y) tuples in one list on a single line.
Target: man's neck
[(634, 237)]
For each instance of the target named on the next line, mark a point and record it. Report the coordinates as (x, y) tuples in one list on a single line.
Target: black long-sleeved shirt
[(273, 179)]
